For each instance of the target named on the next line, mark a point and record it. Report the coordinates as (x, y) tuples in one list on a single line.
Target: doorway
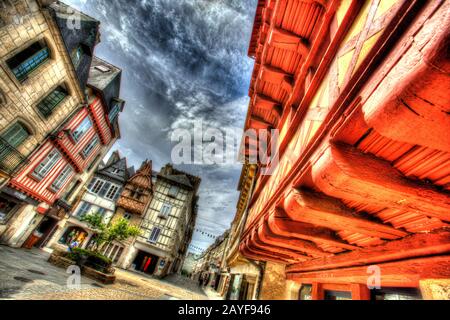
[(145, 262), (42, 233)]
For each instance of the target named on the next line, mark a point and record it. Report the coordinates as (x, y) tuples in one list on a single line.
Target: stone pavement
[(26, 274)]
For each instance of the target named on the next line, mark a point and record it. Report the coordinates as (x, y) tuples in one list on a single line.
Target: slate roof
[(107, 83), (84, 34)]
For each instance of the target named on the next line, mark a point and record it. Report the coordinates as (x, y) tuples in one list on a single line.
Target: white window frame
[(79, 209), (89, 147), (112, 192), (165, 210), (62, 178), (82, 128), (97, 185), (47, 164)]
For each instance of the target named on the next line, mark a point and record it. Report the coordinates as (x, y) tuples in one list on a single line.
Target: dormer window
[(77, 55), (28, 60)]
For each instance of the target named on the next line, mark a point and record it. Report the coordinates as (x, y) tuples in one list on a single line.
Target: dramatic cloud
[(182, 61)]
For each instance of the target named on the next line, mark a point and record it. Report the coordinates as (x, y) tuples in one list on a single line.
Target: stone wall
[(274, 286), (20, 99)]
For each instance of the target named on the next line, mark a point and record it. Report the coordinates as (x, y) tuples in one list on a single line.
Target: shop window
[(396, 294), (28, 60), (84, 126), (51, 101), (46, 165), (338, 295), (7, 209)]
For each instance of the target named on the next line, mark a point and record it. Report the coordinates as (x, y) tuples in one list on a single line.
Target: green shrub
[(91, 259)]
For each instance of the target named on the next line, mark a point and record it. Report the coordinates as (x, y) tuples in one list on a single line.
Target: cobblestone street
[(26, 275)]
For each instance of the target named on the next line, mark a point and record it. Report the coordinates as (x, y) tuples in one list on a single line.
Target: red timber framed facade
[(359, 91)]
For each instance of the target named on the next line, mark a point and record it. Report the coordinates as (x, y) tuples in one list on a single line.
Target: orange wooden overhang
[(372, 185)]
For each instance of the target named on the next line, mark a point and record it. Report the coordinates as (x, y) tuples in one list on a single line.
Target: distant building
[(189, 264), (167, 224), (99, 197)]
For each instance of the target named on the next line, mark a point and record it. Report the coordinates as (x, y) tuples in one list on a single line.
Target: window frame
[(157, 231), (57, 101), (62, 178), (89, 147), (86, 122), (25, 75), (162, 213), (55, 158)]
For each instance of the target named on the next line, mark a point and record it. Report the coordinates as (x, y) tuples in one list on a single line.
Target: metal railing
[(11, 160)]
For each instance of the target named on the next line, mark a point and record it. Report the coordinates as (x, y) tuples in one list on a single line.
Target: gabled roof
[(115, 168), (80, 32)]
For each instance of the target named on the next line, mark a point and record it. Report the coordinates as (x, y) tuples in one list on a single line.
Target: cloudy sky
[(182, 60)]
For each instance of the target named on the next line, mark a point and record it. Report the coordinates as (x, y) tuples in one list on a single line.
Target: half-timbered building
[(359, 204)]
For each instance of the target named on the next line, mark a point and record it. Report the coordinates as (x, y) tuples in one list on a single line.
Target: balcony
[(131, 205), (11, 160)]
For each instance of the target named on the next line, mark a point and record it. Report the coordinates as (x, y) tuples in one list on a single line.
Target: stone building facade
[(57, 124)]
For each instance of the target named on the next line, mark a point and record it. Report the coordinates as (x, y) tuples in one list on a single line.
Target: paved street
[(26, 274)]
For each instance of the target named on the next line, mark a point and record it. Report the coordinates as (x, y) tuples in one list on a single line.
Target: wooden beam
[(267, 236), (406, 273), (346, 173), (360, 291), (283, 252), (284, 226), (263, 102), (276, 76), (250, 252), (417, 245), (321, 210), (286, 40), (259, 124)]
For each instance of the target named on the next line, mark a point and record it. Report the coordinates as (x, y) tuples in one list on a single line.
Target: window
[(96, 185), (62, 178), (16, 134), (104, 189), (83, 209), (28, 60), (84, 126), (90, 146), (173, 191), (7, 209), (165, 210), (101, 211), (127, 216), (50, 102), (47, 164), (112, 192), (76, 56), (154, 235), (114, 112)]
